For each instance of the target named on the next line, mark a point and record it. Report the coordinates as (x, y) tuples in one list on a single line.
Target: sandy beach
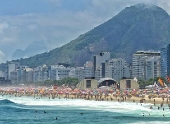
[(154, 96)]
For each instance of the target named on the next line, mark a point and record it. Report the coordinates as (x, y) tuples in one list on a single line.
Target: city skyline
[(145, 65)]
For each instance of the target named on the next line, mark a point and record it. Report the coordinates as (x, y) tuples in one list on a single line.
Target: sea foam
[(110, 106)]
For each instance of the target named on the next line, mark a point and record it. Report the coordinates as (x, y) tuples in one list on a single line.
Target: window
[(88, 83), (128, 83)]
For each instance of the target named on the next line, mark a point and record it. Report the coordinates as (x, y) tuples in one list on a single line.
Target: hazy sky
[(56, 22)]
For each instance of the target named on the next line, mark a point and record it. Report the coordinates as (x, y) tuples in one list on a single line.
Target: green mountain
[(139, 27)]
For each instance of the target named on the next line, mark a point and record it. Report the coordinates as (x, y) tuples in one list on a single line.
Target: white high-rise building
[(41, 73), (117, 69), (152, 67), (98, 73), (79, 73), (84, 72), (13, 76), (2, 73), (141, 65), (99, 64), (88, 69), (21, 75), (29, 75), (163, 55), (58, 72), (11, 66)]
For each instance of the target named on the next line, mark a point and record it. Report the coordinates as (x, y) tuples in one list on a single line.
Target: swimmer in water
[(151, 107)]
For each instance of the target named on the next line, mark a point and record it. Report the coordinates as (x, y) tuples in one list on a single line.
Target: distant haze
[(55, 22)]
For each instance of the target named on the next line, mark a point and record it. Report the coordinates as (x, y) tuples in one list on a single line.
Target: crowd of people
[(156, 96)]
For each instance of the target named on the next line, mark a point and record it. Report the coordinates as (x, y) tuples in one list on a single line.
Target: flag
[(161, 82), (135, 79), (168, 78)]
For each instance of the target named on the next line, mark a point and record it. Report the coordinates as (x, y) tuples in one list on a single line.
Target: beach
[(41, 105), (139, 96)]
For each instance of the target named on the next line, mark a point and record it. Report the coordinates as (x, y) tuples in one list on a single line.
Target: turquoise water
[(28, 110)]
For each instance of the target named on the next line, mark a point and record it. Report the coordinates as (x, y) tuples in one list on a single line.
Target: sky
[(55, 22)]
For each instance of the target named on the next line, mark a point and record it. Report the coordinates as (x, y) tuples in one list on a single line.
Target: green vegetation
[(66, 81), (143, 83)]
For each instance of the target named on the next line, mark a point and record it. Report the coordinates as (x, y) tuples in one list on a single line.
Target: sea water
[(29, 110)]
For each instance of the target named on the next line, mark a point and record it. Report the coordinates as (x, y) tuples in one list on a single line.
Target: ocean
[(29, 110)]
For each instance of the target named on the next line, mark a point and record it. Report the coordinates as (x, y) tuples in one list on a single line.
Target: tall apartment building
[(79, 73), (117, 69), (21, 75), (152, 67), (58, 72), (2, 73), (168, 60), (163, 55), (88, 69), (99, 64), (11, 66), (84, 72), (13, 76), (29, 75), (41, 73), (141, 65)]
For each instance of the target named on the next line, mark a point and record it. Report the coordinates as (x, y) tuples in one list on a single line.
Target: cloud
[(2, 57), (3, 26)]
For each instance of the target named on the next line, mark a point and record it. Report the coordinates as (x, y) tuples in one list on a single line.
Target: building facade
[(163, 62), (128, 84), (168, 60), (79, 73), (41, 73), (152, 68), (58, 72), (141, 67), (117, 69), (99, 64), (11, 66)]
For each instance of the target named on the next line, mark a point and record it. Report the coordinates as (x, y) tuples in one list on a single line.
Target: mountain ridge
[(138, 27), (32, 49)]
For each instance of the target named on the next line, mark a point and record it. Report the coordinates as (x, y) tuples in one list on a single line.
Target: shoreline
[(155, 97), (138, 100)]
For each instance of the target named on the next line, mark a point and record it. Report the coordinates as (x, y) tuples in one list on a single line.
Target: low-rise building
[(87, 84), (128, 84)]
